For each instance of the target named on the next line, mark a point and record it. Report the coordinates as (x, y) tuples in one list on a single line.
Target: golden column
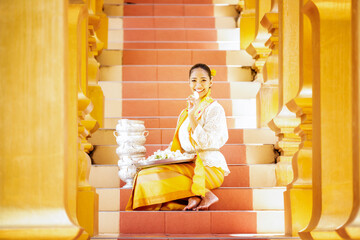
[(298, 195), (38, 161), (351, 229), (332, 117)]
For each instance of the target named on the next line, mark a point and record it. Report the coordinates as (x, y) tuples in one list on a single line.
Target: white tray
[(147, 164)]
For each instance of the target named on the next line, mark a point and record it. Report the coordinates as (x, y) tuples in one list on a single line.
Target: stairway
[(144, 75)]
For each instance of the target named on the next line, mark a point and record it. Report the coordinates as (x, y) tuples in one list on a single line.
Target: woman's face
[(200, 82)]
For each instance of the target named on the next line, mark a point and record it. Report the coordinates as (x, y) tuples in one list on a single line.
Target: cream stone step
[(254, 176), (175, 57), (109, 222), (140, 89), (115, 199), (233, 153), (213, 222), (173, 22), (236, 136), (163, 73), (174, 35), (217, 10)]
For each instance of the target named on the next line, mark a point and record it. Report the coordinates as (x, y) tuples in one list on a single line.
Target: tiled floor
[(195, 236)]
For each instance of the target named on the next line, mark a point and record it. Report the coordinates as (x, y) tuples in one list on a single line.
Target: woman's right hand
[(191, 102)]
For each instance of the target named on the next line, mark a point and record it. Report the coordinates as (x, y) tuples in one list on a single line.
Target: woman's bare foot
[(193, 202), (207, 201)]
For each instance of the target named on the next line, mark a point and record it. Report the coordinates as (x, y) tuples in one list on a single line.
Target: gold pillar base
[(326, 235), (50, 232), (298, 204), (83, 236), (88, 209)]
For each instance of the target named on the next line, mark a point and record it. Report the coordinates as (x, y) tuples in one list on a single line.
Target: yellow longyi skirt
[(159, 188)]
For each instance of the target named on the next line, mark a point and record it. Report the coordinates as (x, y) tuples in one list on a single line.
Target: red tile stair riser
[(138, 10), (215, 222), (207, 46), (139, 35), (148, 22), (141, 90), (166, 73), (199, 23), (144, 73), (199, 10), (143, 57), (130, 108), (230, 199), (173, 57), (209, 57), (169, 22), (170, 45), (169, 35), (139, 45), (169, 10)]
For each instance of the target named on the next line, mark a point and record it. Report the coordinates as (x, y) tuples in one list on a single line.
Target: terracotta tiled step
[(234, 153), (173, 1), (214, 222), (236, 136), (170, 10), (123, 236), (171, 22), (172, 107), (178, 35), (173, 90), (240, 176), (170, 122), (174, 57), (115, 199), (153, 73), (128, 45)]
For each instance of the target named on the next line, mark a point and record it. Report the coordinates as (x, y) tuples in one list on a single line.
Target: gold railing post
[(246, 22), (285, 122), (38, 160), (84, 71), (332, 117)]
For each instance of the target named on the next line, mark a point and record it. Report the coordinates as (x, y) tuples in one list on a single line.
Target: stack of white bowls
[(130, 136)]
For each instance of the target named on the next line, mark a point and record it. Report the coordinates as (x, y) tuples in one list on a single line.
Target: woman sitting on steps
[(201, 129)]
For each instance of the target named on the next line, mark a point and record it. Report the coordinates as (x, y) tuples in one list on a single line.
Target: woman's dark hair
[(202, 66)]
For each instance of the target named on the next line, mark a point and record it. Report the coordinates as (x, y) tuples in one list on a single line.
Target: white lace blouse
[(210, 135)]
